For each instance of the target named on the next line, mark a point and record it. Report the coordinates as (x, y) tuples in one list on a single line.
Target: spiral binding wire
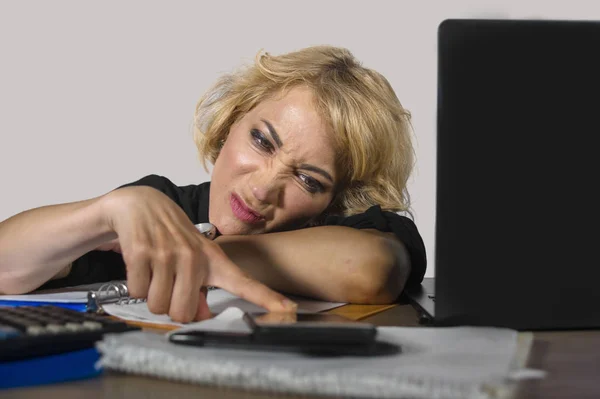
[(114, 289), (113, 292)]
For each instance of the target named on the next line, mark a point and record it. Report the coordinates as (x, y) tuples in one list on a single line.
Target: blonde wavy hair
[(371, 130)]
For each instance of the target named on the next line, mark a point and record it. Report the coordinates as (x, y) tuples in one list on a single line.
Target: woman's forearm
[(332, 263), (37, 244)]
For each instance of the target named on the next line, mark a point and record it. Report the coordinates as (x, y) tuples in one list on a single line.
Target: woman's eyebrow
[(318, 170), (279, 144), (273, 133)]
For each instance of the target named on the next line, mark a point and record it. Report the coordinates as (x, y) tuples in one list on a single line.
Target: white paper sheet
[(218, 301), (138, 312)]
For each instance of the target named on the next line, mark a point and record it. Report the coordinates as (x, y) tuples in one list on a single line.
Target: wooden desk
[(572, 360)]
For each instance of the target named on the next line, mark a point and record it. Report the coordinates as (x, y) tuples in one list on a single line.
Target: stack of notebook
[(464, 362)]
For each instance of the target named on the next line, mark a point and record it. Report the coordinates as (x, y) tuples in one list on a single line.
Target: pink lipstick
[(242, 212)]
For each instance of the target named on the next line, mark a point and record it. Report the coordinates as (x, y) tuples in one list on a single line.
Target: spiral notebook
[(113, 298), (450, 363)]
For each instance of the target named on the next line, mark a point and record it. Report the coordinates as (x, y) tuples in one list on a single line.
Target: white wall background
[(97, 94)]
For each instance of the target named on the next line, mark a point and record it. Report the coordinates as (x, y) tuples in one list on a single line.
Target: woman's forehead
[(295, 121), (293, 111)]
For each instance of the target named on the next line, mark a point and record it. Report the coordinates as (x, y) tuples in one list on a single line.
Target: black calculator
[(31, 331)]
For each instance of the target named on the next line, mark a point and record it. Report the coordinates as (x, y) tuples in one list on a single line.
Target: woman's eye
[(261, 141), (311, 184)]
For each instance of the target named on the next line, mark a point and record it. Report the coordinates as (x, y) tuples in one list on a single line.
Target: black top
[(99, 266)]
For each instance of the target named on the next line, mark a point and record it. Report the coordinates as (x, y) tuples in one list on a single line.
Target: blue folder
[(66, 366), (80, 307)]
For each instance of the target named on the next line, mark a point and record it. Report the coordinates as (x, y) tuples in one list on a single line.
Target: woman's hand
[(168, 261)]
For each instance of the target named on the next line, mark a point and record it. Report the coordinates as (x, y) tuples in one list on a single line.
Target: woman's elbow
[(385, 270)]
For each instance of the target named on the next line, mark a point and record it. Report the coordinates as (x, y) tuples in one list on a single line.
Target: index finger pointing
[(242, 285)]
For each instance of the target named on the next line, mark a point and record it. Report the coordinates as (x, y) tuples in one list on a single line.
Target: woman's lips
[(242, 212)]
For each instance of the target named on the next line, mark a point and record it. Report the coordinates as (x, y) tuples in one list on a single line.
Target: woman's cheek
[(301, 207)]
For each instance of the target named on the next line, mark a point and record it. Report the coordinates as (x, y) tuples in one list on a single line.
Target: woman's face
[(276, 170)]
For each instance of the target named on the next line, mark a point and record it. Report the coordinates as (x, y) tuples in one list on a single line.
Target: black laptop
[(518, 172)]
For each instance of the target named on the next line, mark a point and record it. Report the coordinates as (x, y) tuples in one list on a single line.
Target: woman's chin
[(236, 227)]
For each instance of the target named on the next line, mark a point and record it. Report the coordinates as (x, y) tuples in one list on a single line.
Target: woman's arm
[(167, 259), (40, 243), (334, 263)]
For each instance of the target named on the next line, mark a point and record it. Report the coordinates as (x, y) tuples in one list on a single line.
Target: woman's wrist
[(99, 211)]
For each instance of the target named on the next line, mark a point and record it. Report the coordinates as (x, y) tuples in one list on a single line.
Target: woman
[(311, 156)]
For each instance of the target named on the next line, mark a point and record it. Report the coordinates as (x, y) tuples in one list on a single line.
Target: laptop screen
[(517, 198)]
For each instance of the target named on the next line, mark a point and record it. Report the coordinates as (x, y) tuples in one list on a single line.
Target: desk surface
[(571, 358)]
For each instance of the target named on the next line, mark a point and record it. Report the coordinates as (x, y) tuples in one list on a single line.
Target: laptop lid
[(517, 174)]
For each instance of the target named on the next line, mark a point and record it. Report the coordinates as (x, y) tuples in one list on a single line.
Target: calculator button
[(94, 316), (72, 326), (8, 332), (35, 330), (55, 328), (92, 325)]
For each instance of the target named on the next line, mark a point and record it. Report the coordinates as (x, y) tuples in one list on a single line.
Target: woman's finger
[(231, 278), (277, 318), (186, 290), (137, 262), (203, 311), (161, 286)]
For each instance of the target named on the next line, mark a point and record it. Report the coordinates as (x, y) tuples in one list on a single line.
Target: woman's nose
[(267, 192)]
